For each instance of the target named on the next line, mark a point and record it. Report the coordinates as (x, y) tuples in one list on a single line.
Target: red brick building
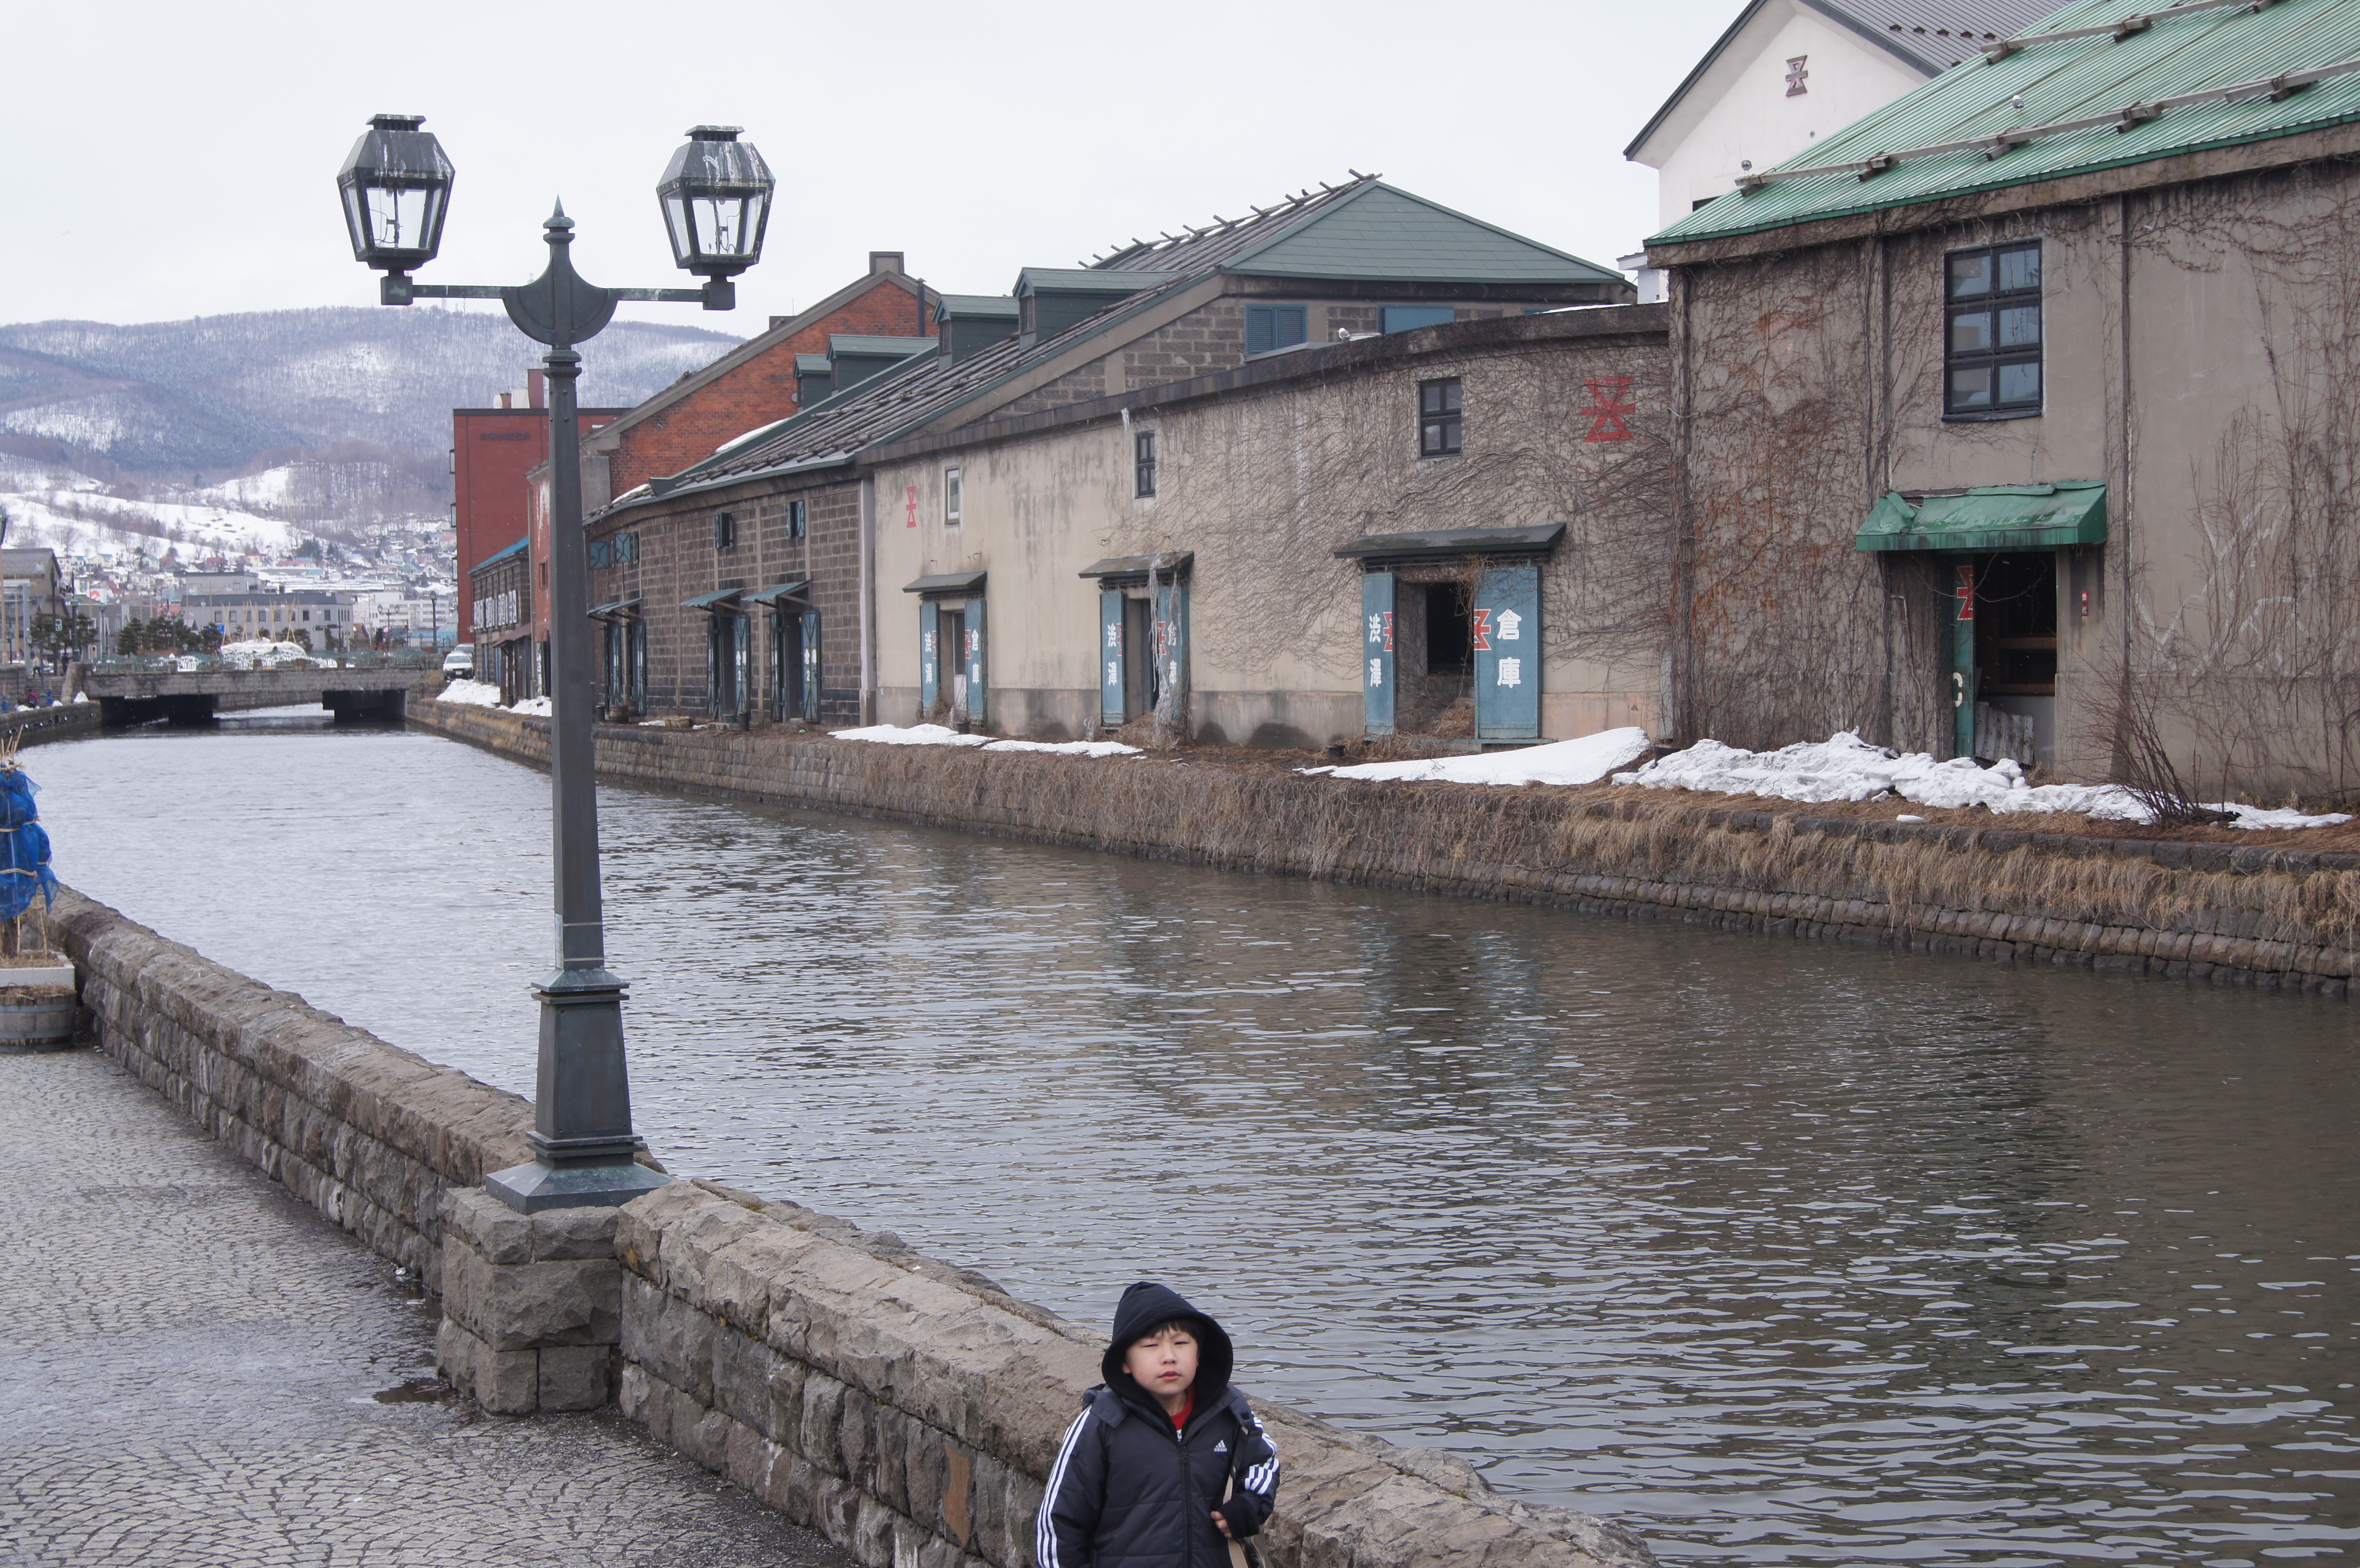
[(752, 386), (492, 451)]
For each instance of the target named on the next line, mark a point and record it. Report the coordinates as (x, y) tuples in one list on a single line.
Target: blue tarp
[(25, 872)]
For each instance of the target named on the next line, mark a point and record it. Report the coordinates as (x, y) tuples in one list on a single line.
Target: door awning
[(714, 602), (769, 598), (1443, 544), (620, 609), (948, 582), (1994, 517), (1171, 563)]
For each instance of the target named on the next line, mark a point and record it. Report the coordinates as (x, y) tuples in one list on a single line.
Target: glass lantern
[(395, 185), (717, 202)]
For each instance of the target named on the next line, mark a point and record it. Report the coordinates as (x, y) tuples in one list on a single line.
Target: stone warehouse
[(760, 582), (2019, 417)]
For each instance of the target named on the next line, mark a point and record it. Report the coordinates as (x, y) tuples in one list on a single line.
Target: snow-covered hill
[(200, 400)]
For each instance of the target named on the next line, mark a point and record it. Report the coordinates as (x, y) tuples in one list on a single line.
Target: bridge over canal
[(139, 692)]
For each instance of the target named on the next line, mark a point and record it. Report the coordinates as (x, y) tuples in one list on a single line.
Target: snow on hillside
[(91, 522)]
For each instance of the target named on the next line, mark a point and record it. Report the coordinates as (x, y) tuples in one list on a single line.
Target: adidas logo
[(1222, 1446)]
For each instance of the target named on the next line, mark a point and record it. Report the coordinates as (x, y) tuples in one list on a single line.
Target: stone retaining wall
[(369, 1135), (2259, 915), (910, 1411)]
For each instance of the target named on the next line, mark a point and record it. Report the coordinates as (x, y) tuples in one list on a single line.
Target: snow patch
[(534, 707), (471, 693), (937, 734), (1846, 768), (1583, 761)]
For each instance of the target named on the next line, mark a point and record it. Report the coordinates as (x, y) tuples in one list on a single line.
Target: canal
[(1779, 1252)]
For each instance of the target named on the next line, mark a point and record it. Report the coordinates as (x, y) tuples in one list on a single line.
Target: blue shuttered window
[(1507, 616), (1110, 658), (1402, 318), (1377, 665), (1270, 327)]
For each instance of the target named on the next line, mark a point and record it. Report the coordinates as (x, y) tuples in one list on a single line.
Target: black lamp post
[(715, 196)]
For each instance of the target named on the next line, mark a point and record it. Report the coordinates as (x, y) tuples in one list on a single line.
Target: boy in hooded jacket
[(1141, 1478)]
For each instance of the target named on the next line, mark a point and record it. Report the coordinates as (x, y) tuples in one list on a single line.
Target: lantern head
[(716, 201), (397, 187)]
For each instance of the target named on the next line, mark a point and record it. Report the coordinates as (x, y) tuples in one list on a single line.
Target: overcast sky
[(168, 159)]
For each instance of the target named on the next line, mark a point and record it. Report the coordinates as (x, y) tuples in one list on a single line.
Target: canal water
[(1782, 1253)]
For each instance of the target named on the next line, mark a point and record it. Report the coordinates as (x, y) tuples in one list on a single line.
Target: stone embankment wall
[(912, 1412), (369, 1135), (2259, 915), (32, 726)]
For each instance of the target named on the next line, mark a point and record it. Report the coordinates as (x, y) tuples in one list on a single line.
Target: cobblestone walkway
[(196, 1370)]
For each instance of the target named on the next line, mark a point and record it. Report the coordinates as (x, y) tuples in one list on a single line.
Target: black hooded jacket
[(1127, 1490)]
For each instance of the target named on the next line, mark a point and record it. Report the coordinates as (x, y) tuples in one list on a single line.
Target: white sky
[(168, 159)]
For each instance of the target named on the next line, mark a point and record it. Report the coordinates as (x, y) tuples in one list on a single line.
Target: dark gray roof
[(947, 583), (870, 343), (1930, 35), (1088, 279), (1288, 239), (975, 305)]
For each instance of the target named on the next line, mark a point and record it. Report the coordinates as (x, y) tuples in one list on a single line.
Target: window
[(627, 549), (1437, 418), (1990, 350), (1271, 327), (1402, 318), (602, 554), (725, 529), (1143, 447), (795, 519), (950, 497)]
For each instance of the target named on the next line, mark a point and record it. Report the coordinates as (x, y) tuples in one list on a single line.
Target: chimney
[(508, 399), (536, 387), (885, 261), (778, 322)]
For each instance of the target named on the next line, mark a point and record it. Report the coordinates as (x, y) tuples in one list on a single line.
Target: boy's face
[(1164, 1363)]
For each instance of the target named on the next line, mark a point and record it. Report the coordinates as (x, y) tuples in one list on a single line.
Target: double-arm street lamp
[(715, 195)]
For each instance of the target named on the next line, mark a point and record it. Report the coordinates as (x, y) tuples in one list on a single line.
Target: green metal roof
[(993, 305), (2183, 51), (1995, 517), (1381, 232), (778, 591), (1088, 279), (869, 345)]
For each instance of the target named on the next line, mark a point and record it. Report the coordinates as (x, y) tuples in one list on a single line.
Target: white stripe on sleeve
[(1044, 1529)]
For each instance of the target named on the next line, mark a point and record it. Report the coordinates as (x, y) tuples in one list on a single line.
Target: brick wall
[(748, 396), (677, 561)]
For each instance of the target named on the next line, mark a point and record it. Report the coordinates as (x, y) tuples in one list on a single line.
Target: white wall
[(1741, 112)]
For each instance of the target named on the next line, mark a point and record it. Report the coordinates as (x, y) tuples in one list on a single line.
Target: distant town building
[(502, 598), (243, 618), (29, 590)]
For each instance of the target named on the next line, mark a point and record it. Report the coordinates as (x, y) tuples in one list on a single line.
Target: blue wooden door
[(1111, 705), (929, 661), (1171, 638), (1377, 651), (1507, 626), (811, 666), (975, 662)]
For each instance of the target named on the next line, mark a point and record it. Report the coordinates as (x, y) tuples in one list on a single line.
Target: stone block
[(572, 1235), (702, 1433), (635, 1395), (741, 1377), (791, 1489), (522, 1306), (823, 1411), (746, 1457), (784, 1417), (872, 1533), (575, 1376)]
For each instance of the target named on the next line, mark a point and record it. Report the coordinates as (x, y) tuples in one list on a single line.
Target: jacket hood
[(1147, 1305)]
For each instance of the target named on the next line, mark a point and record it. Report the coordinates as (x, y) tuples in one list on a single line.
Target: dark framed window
[(951, 498), (795, 519), (1990, 344), (1143, 451), (602, 554), (1437, 418), (725, 529), (1270, 327)]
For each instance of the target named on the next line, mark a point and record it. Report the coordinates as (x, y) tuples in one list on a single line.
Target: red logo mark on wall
[(1482, 631), (1389, 631), (913, 505), (1966, 593), (1608, 401)]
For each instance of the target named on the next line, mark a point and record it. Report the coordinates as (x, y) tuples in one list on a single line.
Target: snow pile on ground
[(938, 735), (82, 696), (534, 707), (263, 654), (1846, 768), (1067, 748), (916, 735), (474, 693), (1583, 761)]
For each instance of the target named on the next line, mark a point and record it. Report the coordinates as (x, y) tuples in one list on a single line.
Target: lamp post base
[(537, 1184)]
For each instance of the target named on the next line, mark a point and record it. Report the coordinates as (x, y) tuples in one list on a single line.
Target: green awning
[(769, 597), (1994, 517), (720, 601)]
